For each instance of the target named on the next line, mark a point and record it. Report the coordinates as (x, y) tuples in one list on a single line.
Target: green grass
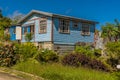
[(57, 71)]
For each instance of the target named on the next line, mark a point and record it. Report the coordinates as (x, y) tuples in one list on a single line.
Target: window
[(85, 29), (43, 25), (25, 30), (64, 26), (32, 28), (75, 24)]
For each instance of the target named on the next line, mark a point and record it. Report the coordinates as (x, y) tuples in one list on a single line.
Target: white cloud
[(15, 13)]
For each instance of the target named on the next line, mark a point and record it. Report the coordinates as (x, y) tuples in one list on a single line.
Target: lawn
[(56, 71)]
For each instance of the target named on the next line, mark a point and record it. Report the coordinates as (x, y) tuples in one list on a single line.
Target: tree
[(117, 24), (1, 13), (109, 32), (5, 22), (16, 18), (28, 37)]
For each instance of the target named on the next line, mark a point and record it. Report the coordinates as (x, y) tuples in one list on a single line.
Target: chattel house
[(53, 31)]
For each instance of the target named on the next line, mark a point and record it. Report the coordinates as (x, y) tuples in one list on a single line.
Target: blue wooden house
[(54, 31)]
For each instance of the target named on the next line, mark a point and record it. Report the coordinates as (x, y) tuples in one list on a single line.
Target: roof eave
[(74, 18), (55, 15), (32, 12)]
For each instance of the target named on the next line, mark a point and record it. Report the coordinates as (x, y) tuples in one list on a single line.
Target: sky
[(101, 11)]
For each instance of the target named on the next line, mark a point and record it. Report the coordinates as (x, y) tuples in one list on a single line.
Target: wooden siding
[(74, 35), (60, 48), (35, 19), (46, 36)]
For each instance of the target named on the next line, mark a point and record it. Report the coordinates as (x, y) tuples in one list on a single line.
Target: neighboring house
[(53, 31)]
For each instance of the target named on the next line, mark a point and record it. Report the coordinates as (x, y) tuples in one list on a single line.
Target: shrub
[(8, 56), (46, 55), (7, 37), (96, 64), (113, 62), (113, 53), (71, 59), (85, 50), (77, 59), (88, 51), (97, 52), (27, 50), (28, 37)]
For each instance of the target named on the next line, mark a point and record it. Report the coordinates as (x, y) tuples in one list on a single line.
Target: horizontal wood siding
[(63, 48), (74, 36), (45, 36), (35, 19)]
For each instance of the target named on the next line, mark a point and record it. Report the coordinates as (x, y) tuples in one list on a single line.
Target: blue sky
[(99, 10)]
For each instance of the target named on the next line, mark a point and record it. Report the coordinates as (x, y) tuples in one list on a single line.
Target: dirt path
[(6, 76)]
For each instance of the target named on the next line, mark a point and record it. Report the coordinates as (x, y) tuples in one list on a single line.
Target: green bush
[(113, 53), (7, 37), (46, 55), (85, 50), (26, 50), (28, 37), (88, 51), (8, 56), (97, 52)]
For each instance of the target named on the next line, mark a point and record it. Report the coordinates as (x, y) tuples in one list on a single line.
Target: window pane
[(43, 25), (85, 29), (25, 30), (64, 26)]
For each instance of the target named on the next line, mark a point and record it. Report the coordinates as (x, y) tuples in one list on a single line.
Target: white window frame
[(43, 25), (64, 24), (85, 26)]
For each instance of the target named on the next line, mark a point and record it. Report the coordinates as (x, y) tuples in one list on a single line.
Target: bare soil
[(6, 76)]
